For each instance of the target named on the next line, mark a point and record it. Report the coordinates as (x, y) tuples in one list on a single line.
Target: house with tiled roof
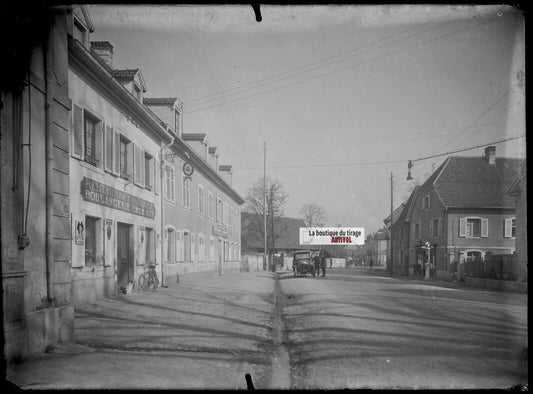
[(463, 212)]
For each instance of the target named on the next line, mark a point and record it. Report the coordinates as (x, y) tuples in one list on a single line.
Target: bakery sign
[(108, 196)]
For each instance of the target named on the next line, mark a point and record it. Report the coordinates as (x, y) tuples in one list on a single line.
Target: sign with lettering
[(220, 230), (108, 196), (332, 236)]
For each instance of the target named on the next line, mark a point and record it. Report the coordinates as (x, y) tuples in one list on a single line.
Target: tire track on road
[(281, 368)]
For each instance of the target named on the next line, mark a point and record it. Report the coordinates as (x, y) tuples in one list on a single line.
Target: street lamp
[(428, 249)]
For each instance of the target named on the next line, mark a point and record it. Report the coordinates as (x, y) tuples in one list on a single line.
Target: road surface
[(354, 328)]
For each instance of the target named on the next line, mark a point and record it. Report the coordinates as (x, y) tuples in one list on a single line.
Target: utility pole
[(264, 202), (391, 237)]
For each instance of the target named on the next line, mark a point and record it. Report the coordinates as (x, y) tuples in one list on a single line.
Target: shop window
[(93, 241)]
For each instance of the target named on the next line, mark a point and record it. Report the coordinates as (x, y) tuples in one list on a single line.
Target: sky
[(344, 96)]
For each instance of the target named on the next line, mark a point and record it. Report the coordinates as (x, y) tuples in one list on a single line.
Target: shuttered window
[(92, 140), (109, 151), (509, 228), (137, 164), (148, 171), (473, 227), (77, 132)]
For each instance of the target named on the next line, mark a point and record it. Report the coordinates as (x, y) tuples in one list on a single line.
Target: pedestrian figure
[(371, 263), (316, 264), (323, 262)]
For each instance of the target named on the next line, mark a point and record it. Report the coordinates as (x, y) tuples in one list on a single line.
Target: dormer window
[(80, 32), (137, 92)]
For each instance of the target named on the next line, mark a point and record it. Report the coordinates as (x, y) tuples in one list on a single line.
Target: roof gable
[(471, 182)]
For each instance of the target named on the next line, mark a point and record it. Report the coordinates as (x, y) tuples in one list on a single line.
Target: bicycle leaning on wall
[(148, 280)]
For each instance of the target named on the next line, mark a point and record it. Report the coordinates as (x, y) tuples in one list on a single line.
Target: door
[(220, 255), (124, 255)]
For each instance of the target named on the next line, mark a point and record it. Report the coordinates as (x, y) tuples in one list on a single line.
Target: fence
[(499, 267), (252, 262)]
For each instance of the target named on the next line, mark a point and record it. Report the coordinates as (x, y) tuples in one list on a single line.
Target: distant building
[(287, 232), (377, 247)]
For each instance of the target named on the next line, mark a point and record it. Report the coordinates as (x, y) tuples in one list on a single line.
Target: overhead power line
[(381, 162), (345, 67), (326, 59)]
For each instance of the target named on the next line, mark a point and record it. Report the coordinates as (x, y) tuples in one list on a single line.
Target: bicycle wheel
[(143, 282)]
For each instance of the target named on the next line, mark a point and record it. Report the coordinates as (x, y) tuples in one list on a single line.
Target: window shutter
[(462, 227), (439, 227), (142, 165), (507, 228), (484, 228), (157, 180), (98, 154), (136, 164), (116, 153), (77, 132), (431, 228), (108, 148), (129, 160)]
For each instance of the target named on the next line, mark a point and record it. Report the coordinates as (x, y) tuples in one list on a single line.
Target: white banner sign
[(332, 236)]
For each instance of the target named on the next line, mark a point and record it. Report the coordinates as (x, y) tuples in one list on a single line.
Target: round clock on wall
[(187, 169)]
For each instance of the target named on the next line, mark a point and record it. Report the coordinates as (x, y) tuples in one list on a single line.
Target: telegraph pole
[(391, 237), (264, 203)]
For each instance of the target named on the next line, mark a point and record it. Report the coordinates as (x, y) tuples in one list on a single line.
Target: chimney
[(104, 49), (490, 154)]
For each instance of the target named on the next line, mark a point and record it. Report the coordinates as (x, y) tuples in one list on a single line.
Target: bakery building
[(115, 149)]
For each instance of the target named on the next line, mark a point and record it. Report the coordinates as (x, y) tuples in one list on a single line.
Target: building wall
[(495, 243), (189, 220), (91, 282), (36, 286)]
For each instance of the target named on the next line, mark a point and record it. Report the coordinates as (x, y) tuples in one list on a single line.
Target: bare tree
[(313, 215), (275, 202)]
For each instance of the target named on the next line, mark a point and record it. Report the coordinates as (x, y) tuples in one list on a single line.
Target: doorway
[(125, 267)]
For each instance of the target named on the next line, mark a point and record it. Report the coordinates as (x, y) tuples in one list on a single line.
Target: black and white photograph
[(263, 196)]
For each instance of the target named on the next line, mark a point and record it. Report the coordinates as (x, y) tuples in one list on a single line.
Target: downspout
[(161, 193), (49, 163)]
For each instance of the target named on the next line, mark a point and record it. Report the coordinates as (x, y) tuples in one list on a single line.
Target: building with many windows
[(115, 148), (464, 212)]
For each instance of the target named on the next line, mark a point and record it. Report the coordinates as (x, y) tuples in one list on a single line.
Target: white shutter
[(77, 132), (108, 149), (431, 228), (157, 180), (462, 227), (116, 154), (484, 228), (136, 164), (507, 228), (142, 166), (129, 161), (99, 140)]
